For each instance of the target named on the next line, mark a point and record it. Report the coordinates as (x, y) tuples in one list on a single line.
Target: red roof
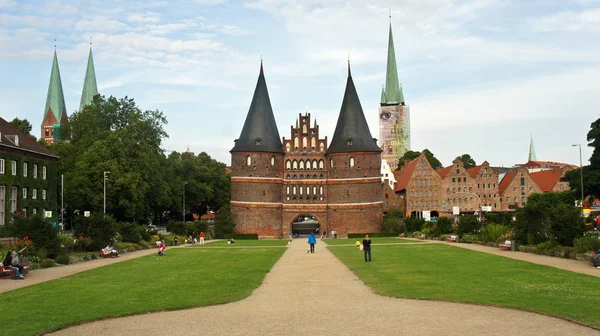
[(443, 171), (26, 142), (506, 181), (208, 215), (540, 164), (547, 179), (473, 171), (406, 172)]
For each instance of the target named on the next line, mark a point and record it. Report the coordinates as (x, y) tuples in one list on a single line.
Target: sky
[(480, 76)]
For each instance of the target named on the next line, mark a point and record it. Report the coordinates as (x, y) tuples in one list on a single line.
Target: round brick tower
[(257, 169), (354, 162)]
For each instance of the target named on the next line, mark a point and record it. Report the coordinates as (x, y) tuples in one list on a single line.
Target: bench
[(107, 254), (506, 246), (8, 273), (421, 237), (453, 239)]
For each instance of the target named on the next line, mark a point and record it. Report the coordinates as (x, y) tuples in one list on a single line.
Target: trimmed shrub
[(63, 259), (413, 224), (130, 232), (469, 238), (468, 224), (101, 229), (45, 263), (586, 244), (442, 226)]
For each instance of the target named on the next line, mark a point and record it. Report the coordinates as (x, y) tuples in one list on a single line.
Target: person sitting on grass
[(175, 241), (596, 258), (231, 241)]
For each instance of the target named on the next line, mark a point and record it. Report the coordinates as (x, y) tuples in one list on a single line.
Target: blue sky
[(480, 76)]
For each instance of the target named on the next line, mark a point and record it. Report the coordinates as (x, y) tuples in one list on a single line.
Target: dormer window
[(257, 141), (349, 142)]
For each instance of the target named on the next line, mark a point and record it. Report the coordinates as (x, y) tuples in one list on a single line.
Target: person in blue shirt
[(312, 240)]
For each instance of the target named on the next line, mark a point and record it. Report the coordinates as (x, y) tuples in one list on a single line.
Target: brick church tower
[(257, 169), (354, 164)]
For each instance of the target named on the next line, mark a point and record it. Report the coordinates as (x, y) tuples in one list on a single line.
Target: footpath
[(315, 294)]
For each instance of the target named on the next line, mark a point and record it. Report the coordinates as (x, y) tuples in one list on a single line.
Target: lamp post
[(183, 212), (105, 179), (581, 170), (62, 200)]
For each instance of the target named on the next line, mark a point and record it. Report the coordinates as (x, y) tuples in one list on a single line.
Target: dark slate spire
[(260, 132), (352, 131)]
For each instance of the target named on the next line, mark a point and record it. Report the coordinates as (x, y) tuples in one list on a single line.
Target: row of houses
[(417, 187)]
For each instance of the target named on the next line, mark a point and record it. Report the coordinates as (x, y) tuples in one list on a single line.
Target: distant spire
[(393, 91), (261, 65), (349, 73), (383, 100), (90, 87), (532, 156), (55, 100)]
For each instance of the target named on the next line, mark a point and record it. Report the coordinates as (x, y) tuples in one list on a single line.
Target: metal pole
[(581, 171), (62, 199), (183, 213), (105, 178)]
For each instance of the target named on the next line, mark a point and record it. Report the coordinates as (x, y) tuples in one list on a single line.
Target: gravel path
[(316, 294)]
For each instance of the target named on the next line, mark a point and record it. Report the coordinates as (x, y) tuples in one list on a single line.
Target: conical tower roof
[(90, 88), (532, 156), (55, 100), (352, 131), (260, 132), (393, 91)]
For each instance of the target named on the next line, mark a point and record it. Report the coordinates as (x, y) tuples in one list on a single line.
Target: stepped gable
[(259, 133), (352, 131)]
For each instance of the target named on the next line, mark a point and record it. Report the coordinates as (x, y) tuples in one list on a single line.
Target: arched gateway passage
[(305, 225)]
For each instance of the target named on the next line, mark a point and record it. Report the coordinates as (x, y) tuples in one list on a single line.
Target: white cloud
[(7, 3), (583, 21), (101, 24), (148, 17)]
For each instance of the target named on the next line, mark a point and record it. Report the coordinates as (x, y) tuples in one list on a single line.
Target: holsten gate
[(276, 182)]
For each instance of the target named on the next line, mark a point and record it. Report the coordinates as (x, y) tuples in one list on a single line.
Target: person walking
[(312, 240), (367, 248), (201, 237)]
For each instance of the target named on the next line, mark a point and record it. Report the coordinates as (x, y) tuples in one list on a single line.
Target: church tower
[(257, 169), (354, 201), (531, 156), (394, 114), (55, 112), (90, 88)]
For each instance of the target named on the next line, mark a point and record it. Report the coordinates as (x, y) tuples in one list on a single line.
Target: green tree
[(224, 222), (22, 124), (38, 229), (393, 222), (411, 155), (102, 229), (468, 224), (591, 172), (566, 223), (467, 161)]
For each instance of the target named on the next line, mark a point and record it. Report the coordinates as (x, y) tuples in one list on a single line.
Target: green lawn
[(182, 278), (240, 242), (443, 272), (376, 240)]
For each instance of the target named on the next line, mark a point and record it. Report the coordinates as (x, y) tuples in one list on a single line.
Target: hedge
[(241, 236), (372, 234)]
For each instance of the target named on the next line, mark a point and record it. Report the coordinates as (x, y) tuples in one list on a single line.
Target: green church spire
[(393, 91), (532, 156), (55, 100), (90, 88), (383, 101)]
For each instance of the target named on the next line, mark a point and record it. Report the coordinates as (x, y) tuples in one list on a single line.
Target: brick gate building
[(275, 182)]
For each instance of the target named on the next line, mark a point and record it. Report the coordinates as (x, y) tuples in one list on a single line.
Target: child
[(161, 248), (357, 244)]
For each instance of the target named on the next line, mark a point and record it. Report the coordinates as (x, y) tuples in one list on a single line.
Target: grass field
[(443, 272), (182, 278), (374, 241)]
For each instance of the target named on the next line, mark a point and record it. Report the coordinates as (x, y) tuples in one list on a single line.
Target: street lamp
[(105, 179), (183, 213), (581, 170)]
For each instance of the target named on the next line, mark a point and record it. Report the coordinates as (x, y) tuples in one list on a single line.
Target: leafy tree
[(224, 222), (22, 124), (38, 229), (468, 224), (101, 229), (414, 224), (467, 161), (566, 223), (443, 226), (393, 222), (411, 155), (591, 172)]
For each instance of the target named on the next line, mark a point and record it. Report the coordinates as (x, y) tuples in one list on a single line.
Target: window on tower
[(248, 160)]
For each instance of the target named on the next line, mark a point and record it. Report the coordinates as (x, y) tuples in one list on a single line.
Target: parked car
[(151, 227)]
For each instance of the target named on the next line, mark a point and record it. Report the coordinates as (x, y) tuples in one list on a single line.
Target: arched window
[(308, 190), (294, 190), (272, 161), (304, 142), (321, 176), (315, 165), (304, 130), (321, 164), (301, 176), (351, 162), (470, 189), (459, 189), (287, 147), (314, 176), (314, 190), (301, 190), (295, 176), (322, 147), (296, 142), (295, 165), (454, 190), (301, 166), (287, 190), (308, 166), (313, 142), (448, 190), (562, 187), (287, 176), (331, 163), (248, 160), (530, 190), (321, 190), (288, 164)]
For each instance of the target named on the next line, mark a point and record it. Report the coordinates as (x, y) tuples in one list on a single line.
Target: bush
[(127, 247), (469, 238), (130, 232), (442, 226), (145, 244), (413, 224), (39, 230), (63, 259), (66, 243), (497, 232), (586, 244), (101, 229), (224, 222), (468, 224), (45, 263)]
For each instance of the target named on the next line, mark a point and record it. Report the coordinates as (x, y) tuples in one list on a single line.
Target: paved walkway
[(315, 294)]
